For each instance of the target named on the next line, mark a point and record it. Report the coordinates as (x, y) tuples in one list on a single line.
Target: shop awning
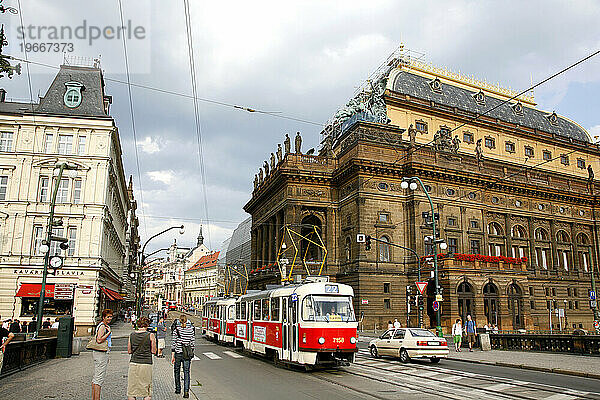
[(34, 289), (111, 294)]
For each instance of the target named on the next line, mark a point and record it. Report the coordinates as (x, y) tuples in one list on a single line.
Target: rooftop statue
[(287, 144), (260, 176), (279, 153), (412, 133), (590, 173), (455, 144), (273, 162), (266, 167), (298, 143), (478, 152), (255, 181)]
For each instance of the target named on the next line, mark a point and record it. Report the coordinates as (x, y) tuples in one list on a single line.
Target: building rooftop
[(205, 262)]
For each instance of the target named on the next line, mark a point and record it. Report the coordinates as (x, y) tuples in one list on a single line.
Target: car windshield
[(421, 332), (327, 308)]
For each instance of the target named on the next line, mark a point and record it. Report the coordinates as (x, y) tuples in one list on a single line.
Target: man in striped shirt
[(183, 335)]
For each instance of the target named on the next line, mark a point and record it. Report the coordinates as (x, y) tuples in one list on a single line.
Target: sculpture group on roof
[(276, 158)]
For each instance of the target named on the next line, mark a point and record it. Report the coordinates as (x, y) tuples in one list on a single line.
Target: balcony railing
[(584, 344)]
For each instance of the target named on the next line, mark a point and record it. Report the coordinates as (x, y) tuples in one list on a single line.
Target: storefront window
[(52, 307)]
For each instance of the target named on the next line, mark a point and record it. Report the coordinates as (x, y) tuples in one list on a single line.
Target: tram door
[(293, 330), (223, 325), (285, 330)]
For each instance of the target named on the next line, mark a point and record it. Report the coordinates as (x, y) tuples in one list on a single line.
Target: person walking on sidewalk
[(457, 334), (4, 333), (397, 324), (390, 325), (161, 334), (103, 334), (182, 351), (471, 329), (141, 346)]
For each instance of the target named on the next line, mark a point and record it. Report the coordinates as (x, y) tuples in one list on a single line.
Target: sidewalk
[(567, 364)]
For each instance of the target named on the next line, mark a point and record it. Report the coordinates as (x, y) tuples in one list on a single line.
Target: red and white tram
[(312, 323), (218, 319)]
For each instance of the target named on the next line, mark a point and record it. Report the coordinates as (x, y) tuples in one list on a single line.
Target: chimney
[(2, 95)]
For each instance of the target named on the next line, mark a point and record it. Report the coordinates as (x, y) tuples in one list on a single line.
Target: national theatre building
[(513, 186)]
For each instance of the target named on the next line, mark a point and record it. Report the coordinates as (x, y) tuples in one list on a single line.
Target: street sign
[(435, 305), (284, 261), (596, 324), (421, 286), (593, 303), (438, 297), (592, 295), (361, 238), (364, 301), (294, 297)]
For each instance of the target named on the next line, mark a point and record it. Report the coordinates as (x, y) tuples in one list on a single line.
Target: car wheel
[(435, 360), (404, 356), (374, 352)]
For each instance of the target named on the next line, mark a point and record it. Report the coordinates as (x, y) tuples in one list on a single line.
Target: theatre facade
[(513, 186)]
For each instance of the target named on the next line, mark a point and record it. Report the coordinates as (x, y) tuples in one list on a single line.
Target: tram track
[(525, 386)]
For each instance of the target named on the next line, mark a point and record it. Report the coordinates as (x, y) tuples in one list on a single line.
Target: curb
[(530, 367)]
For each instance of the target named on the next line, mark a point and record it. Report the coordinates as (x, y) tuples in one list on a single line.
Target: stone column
[(554, 262), (264, 243), (508, 232)]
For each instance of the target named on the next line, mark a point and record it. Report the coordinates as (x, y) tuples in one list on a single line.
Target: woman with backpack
[(141, 346), (182, 352)]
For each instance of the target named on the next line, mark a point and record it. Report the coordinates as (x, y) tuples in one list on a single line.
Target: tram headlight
[(321, 340), (353, 340)]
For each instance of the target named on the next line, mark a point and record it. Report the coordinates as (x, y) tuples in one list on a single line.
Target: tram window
[(284, 310), (265, 309), (231, 312), (237, 310), (243, 310), (275, 309), (327, 308), (257, 315)]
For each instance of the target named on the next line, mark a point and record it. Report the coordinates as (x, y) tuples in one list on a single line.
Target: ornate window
[(452, 221), (564, 159), (490, 303), (553, 118), (468, 137), (383, 186), (436, 85), (479, 98), (474, 224), (384, 217), (450, 192), (73, 96), (495, 200), (529, 151), (562, 236), (541, 234), (509, 147), (494, 228), (466, 300), (546, 155), (6, 141), (518, 108), (519, 232), (3, 187), (490, 142), (581, 163), (582, 239)]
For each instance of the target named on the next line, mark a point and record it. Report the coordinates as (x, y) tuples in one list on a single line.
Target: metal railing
[(584, 344), (20, 355)]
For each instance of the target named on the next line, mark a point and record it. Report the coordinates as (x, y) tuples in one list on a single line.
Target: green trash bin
[(64, 340)]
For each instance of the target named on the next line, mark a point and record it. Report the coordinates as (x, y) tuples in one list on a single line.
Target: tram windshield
[(327, 309)]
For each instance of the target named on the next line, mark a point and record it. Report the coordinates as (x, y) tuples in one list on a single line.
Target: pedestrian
[(183, 339), (457, 334), (133, 319), (495, 328), (4, 333), (24, 327), (141, 346), (46, 324), (55, 324), (161, 334), (471, 329), (32, 325), (15, 326), (397, 324), (103, 334), (390, 325)]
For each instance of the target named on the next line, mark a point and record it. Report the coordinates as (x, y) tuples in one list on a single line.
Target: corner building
[(513, 188)]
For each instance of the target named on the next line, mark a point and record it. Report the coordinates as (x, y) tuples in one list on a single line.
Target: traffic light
[(420, 302), (368, 243), (411, 300)]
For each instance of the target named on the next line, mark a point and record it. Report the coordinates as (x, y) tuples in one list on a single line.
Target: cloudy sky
[(301, 59)]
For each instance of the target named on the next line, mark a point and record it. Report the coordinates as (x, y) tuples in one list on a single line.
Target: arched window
[(490, 303), (466, 300), (562, 236), (311, 252), (494, 228), (515, 305), (541, 234), (384, 249), (519, 232), (583, 239), (347, 248)]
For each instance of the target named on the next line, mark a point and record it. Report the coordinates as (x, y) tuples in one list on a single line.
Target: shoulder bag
[(94, 345)]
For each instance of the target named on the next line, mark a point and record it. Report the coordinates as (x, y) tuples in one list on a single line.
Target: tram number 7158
[(338, 340)]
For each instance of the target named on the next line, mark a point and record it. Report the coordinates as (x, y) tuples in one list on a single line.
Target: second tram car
[(308, 324), (218, 319)]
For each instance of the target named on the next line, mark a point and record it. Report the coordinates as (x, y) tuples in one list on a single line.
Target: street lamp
[(142, 262), (412, 184), (59, 169)]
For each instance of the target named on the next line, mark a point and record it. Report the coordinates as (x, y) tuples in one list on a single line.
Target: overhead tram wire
[(410, 151), (179, 94), (137, 159)]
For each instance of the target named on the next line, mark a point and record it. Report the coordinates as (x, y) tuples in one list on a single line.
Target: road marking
[(499, 387), (212, 356), (195, 358), (426, 374), (560, 396), (233, 354), (451, 378)]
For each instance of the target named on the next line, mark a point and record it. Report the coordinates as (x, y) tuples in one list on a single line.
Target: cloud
[(148, 145), (161, 176)]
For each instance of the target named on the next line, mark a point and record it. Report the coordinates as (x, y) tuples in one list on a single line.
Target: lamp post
[(412, 184), (45, 247), (138, 305)]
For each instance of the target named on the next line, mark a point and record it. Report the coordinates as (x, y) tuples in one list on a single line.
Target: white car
[(408, 343)]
